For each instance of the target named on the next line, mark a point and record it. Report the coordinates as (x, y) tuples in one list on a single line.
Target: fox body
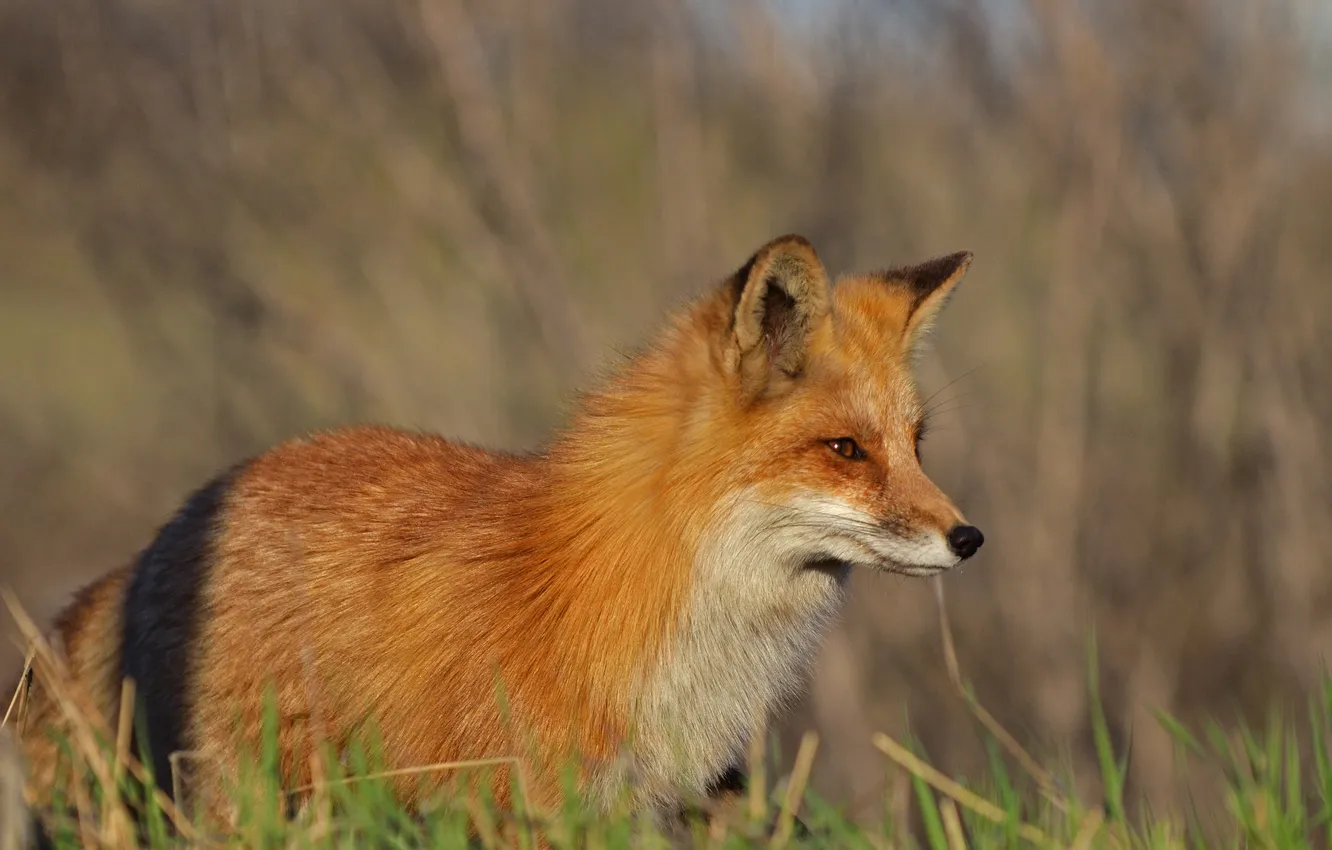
[(642, 596)]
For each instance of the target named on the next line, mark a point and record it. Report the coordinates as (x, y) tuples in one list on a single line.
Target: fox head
[(815, 382)]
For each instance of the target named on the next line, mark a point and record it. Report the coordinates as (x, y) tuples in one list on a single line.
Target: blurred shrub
[(225, 223)]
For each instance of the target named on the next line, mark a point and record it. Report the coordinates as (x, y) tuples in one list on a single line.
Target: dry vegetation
[(225, 223)]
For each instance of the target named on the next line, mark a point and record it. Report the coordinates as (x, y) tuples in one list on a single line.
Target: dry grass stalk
[(1091, 825), (441, 767), (899, 806), (944, 785), (79, 716), (1043, 779), (82, 802), (795, 789), (85, 722), (177, 761), (952, 825), (14, 823), (319, 805), (758, 779), (484, 821), (118, 828), (18, 702)]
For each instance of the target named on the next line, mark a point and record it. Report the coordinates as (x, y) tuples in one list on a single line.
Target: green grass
[(1276, 791), (1278, 794)]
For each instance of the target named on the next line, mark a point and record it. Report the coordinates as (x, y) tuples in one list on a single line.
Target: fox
[(641, 597)]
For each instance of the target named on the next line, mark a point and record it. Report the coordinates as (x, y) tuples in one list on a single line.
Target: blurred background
[(226, 223)]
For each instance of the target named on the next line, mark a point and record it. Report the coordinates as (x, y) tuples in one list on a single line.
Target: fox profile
[(647, 592)]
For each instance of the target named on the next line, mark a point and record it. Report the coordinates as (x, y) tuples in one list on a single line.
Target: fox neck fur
[(704, 626)]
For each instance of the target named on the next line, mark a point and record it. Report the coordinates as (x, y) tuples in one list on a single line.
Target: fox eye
[(847, 448)]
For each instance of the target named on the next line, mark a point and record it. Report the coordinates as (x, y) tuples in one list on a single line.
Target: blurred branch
[(1092, 146), (973, 55), (538, 276), (686, 244), (535, 64)]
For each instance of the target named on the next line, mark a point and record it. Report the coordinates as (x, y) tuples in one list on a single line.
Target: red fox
[(644, 595)]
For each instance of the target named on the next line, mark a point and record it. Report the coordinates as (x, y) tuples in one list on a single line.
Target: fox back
[(639, 599)]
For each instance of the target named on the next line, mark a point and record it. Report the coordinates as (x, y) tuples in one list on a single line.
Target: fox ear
[(929, 284), (780, 297)]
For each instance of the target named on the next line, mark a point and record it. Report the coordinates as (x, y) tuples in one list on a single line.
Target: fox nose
[(964, 540)]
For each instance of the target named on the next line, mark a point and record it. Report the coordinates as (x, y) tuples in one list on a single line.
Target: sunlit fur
[(648, 591), (87, 634)]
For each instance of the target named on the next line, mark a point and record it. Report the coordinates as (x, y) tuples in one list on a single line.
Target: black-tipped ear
[(780, 297), (930, 285)]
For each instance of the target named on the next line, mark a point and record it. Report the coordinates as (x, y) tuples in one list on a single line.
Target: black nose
[(964, 540)]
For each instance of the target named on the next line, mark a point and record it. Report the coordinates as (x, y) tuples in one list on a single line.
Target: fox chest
[(730, 669)]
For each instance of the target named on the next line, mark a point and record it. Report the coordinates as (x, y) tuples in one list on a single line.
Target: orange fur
[(611, 583), (88, 633)]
